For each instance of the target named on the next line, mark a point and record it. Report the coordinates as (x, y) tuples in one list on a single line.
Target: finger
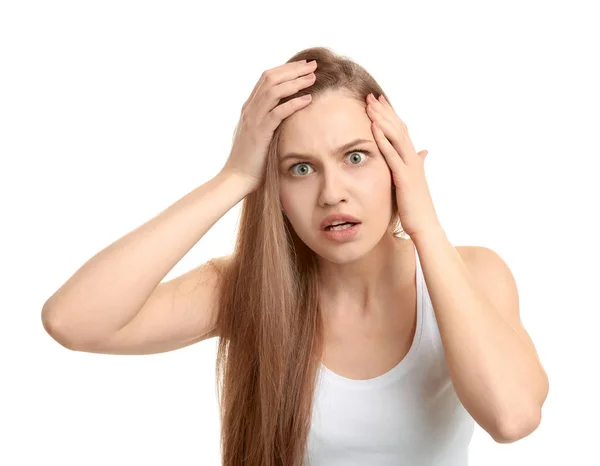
[(288, 71), (387, 149), (271, 70), (275, 76), (381, 105), (384, 101), (374, 103), (377, 111), (387, 106), (398, 136), (273, 96), (281, 112), (376, 114)]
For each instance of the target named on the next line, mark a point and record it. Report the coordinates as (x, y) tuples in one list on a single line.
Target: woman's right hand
[(261, 115)]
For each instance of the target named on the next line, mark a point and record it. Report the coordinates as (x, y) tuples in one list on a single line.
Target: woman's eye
[(356, 152), (297, 165), (352, 158)]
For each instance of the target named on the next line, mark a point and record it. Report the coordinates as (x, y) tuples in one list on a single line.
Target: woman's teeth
[(341, 227)]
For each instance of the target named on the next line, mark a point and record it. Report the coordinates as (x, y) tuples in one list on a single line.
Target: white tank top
[(410, 415)]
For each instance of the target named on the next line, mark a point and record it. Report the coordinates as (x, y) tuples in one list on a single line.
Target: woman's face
[(356, 181)]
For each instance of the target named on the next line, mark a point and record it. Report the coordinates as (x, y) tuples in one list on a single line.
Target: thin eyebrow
[(339, 150)]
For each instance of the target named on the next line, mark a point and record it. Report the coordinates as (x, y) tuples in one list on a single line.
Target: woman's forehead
[(326, 126)]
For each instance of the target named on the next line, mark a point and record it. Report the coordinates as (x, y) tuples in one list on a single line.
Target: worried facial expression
[(330, 163)]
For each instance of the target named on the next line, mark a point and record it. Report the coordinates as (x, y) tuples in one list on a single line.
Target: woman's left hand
[(415, 206)]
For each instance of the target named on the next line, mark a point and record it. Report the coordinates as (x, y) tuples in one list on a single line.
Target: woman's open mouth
[(342, 232)]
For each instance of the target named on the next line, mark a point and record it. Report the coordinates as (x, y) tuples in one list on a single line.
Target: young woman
[(350, 330)]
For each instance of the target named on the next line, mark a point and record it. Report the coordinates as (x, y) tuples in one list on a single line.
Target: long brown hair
[(269, 321)]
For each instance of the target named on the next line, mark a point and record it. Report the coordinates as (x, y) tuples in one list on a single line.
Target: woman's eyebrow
[(339, 150)]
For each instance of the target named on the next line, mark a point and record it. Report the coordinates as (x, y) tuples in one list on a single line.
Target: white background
[(111, 111)]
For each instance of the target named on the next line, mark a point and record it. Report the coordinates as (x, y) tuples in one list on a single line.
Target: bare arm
[(108, 291), (116, 302)]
